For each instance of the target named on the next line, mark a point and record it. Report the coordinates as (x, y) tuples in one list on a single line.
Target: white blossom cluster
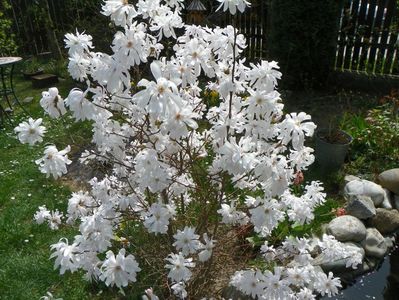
[(52, 218), (151, 135), (301, 277)]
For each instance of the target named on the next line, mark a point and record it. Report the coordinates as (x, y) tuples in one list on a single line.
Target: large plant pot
[(28, 75), (331, 152)]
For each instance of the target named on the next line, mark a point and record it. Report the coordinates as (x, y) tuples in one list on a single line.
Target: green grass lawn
[(26, 272)]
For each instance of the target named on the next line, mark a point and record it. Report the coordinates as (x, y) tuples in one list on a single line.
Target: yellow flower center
[(118, 268), (161, 89)]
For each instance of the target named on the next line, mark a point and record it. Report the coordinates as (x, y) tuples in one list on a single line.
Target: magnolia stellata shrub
[(179, 168)]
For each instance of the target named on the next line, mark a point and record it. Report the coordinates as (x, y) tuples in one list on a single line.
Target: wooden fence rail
[(29, 19), (368, 37), (253, 24)]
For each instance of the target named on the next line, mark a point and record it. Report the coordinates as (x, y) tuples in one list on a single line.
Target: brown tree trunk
[(50, 32)]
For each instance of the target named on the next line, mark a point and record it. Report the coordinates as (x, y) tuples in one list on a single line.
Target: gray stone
[(373, 262), (334, 266), (385, 220), (360, 206), (396, 201), (347, 228), (387, 200), (374, 243), (367, 188), (27, 100), (389, 241), (324, 228), (390, 179), (349, 178), (365, 267), (338, 265), (349, 275)]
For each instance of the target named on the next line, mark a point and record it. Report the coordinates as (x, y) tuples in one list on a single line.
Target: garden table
[(7, 65)]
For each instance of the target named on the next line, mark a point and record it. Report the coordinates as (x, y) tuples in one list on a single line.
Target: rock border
[(371, 222)]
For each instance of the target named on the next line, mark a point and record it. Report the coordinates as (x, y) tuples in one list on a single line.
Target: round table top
[(9, 60)]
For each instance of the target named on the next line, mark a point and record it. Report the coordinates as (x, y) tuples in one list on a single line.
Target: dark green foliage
[(31, 65), (7, 38), (86, 16), (57, 67), (303, 40), (31, 19), (375, 140)]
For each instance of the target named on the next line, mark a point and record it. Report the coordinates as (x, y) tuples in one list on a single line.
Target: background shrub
[(7, 42), (303, 40), (375, 140)]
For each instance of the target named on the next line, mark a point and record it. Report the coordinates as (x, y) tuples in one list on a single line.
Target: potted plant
[(331, 148), (31, 68)]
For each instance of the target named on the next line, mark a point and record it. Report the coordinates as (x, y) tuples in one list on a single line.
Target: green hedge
[(7, 42), (303, 39)]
